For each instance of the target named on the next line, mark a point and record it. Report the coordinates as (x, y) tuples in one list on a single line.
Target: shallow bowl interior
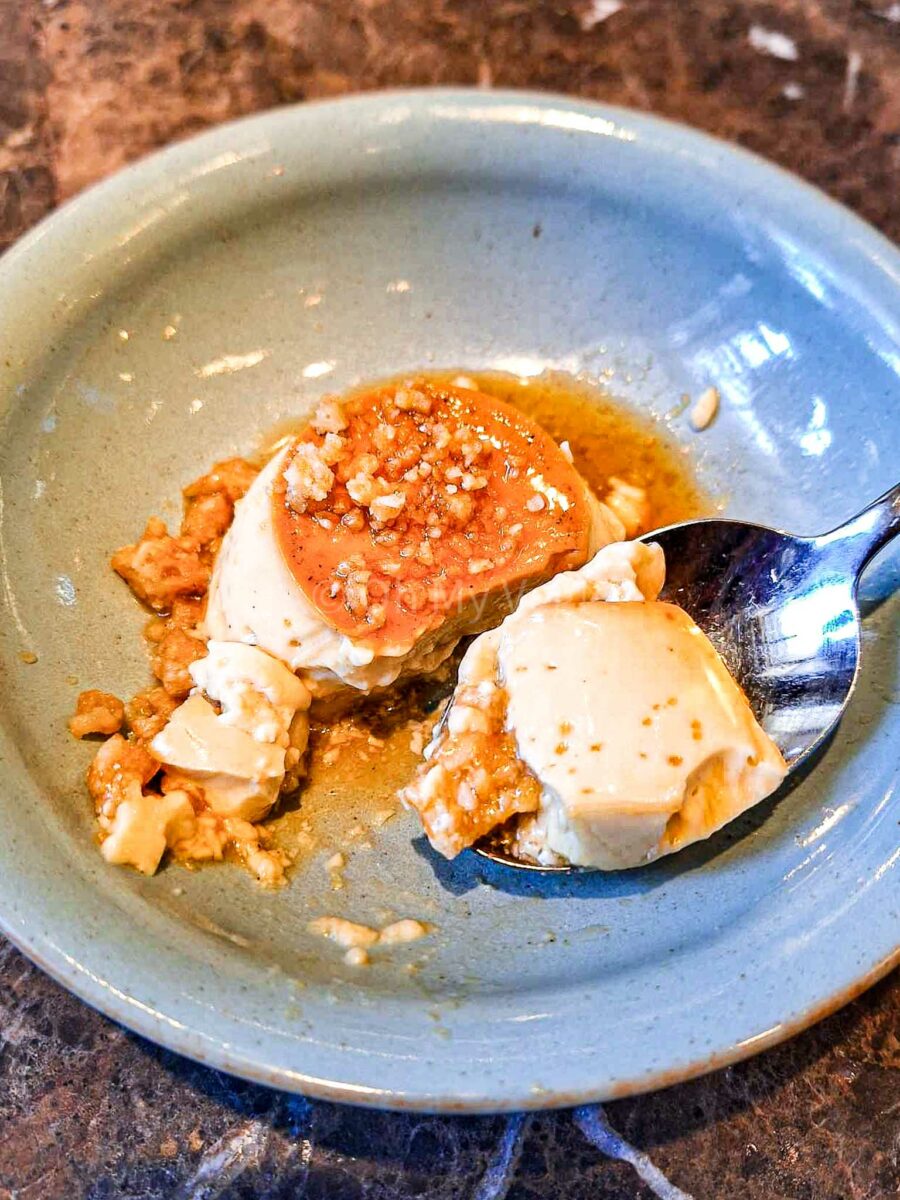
[(178, 312)]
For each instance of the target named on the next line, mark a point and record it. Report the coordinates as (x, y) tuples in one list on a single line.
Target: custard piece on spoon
[(597, 725)]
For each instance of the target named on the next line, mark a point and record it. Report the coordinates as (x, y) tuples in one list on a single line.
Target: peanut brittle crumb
[(473, 779), (630, 504), (329, 416), (162, 569), (147, 712), (96, 712), (405, 930), (356, 940), (231, 477), (187, 613), (119, 771), (347, 934), (206, 518), (705, 410), (248, 842), (159, 568), (206, 841), (335, 868), (171, 662)]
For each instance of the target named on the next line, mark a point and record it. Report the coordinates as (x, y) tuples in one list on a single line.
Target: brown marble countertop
[(89, 1110)]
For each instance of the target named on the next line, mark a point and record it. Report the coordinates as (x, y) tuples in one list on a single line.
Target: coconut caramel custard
[(439, 538)]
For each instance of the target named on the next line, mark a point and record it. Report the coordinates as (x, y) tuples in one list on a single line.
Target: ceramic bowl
[(173, 314)]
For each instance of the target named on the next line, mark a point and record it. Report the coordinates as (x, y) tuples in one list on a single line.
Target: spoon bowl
[(782, 612)]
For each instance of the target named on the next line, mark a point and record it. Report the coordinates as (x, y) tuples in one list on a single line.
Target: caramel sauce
[(607, 438)]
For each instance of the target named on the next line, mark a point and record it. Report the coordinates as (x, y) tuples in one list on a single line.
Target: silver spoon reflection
[(782, 611)]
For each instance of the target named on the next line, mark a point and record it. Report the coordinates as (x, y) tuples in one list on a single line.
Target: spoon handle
[(860, 538)]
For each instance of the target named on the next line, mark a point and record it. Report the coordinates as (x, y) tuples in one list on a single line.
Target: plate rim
[(51, 958), (615, 114), (148, 1025)]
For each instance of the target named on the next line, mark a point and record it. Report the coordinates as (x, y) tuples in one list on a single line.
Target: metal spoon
[(782, 611)]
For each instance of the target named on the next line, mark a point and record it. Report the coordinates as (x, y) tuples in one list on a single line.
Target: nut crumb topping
[(705, 410), (398, 504), (307, 477), (96, 712), (329, 416)]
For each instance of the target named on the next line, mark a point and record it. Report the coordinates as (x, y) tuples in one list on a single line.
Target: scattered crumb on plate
[(335, 868), (705, 410), (357, 939)]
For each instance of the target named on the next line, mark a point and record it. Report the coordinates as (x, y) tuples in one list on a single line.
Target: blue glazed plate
[(166, 317)]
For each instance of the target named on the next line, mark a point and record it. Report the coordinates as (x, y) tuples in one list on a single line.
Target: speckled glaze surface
[(309, 249)]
